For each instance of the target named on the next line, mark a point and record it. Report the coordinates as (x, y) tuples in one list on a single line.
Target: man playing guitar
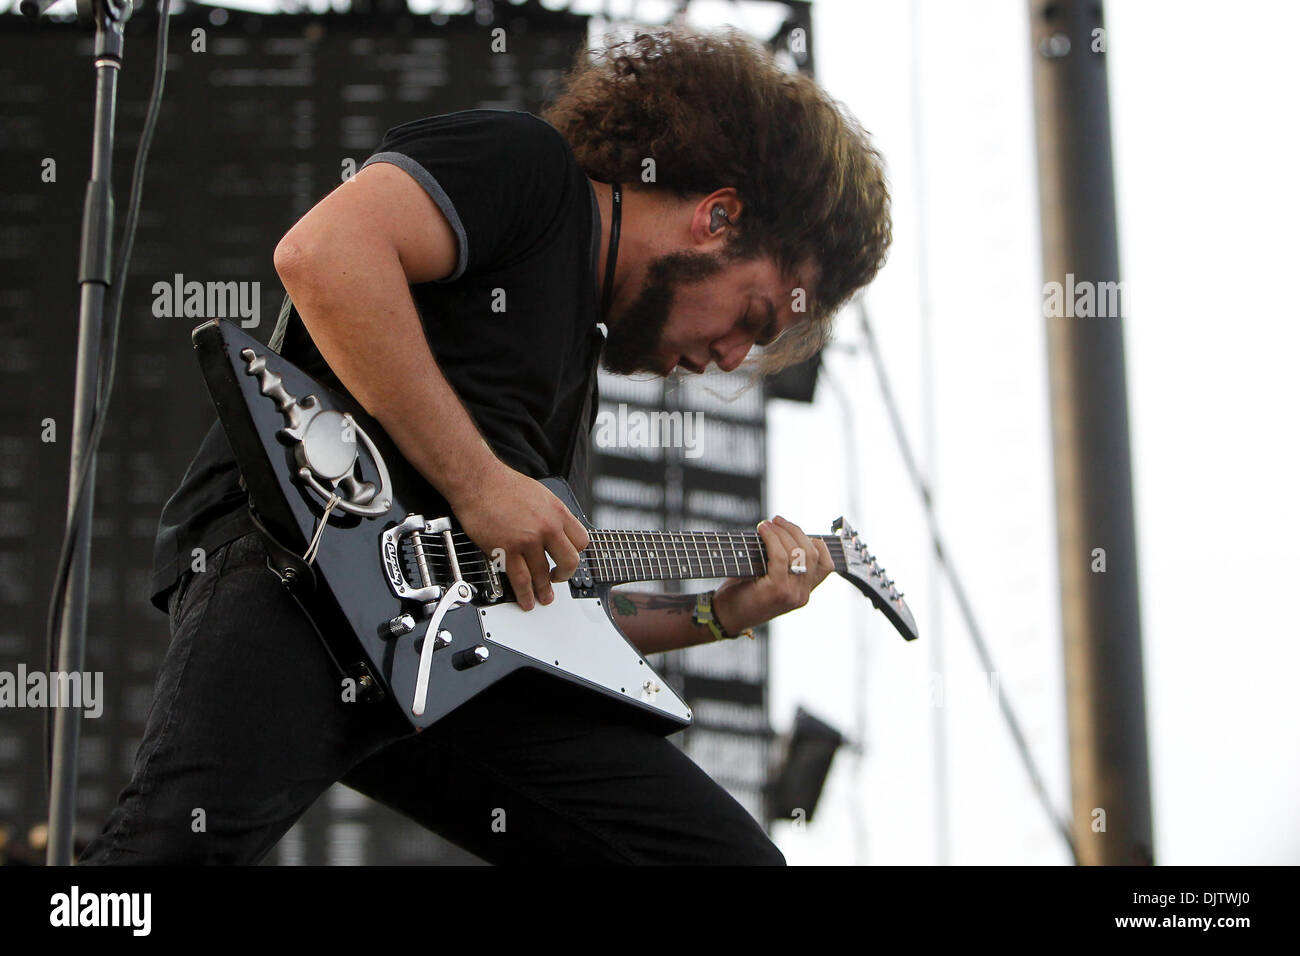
[(684, 193)]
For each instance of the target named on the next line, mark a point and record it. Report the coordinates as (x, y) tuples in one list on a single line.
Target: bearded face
[(634, 341)]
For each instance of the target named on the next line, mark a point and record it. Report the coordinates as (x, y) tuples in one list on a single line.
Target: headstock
[(862, 570)]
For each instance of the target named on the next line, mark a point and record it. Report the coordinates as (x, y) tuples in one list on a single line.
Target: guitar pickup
[(494, 589), (582, 584)]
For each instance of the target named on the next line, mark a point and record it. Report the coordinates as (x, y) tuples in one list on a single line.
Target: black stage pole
[(94, 276)]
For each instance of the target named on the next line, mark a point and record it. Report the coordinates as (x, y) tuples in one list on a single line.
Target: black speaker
[(798, 785)]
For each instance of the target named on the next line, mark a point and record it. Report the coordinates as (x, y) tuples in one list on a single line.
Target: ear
[(712, 215)]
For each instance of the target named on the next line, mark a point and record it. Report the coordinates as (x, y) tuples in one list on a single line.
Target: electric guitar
[(409, 608)]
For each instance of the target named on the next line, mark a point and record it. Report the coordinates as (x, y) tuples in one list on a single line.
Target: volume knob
[(470, 658), (402, 624)]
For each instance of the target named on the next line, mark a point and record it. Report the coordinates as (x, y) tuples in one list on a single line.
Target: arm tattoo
[(629, 604)]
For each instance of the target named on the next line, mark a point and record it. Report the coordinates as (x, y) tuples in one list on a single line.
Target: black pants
[(249, 726)]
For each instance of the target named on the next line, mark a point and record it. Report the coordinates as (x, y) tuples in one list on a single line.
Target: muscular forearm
[(658, 622), (355, 303)]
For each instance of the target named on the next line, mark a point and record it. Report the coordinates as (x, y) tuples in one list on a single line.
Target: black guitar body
[(364, 588)]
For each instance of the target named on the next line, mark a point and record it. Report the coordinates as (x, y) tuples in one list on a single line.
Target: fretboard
[(619, 557)]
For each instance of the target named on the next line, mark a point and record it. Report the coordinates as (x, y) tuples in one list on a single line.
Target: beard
[(633, 342)]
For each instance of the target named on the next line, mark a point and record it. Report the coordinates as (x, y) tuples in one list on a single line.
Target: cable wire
[(853, 472), (939, 728), (959, 592), (111, 320)]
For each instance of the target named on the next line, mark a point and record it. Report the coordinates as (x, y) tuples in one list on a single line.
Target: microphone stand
[(94, 276)]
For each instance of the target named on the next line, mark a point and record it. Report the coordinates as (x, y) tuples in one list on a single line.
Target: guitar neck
[(620, 557)]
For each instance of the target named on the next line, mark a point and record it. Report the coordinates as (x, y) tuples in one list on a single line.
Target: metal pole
[(1083, 309), (94, 277)]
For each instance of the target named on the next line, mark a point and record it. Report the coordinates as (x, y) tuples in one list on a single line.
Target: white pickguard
[(576, 634)]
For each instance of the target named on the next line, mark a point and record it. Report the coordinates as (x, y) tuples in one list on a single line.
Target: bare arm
[(349, 281), (347, 264), (664, 622), (658, 622)]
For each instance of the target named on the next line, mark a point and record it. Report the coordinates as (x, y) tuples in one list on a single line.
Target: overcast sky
[(1203, 107)]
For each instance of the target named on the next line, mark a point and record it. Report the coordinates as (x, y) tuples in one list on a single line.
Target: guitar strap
[(575, 467), (281, 325)]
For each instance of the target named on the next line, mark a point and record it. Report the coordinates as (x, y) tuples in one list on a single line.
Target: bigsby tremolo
[(434, 599)]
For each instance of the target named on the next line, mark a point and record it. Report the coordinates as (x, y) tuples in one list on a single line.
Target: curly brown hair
[(716, 110)]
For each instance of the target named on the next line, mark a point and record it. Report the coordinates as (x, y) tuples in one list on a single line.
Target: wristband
[(705, 615)]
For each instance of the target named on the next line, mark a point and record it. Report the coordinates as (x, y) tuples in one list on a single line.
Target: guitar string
[(628, 562), (657, 552)]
